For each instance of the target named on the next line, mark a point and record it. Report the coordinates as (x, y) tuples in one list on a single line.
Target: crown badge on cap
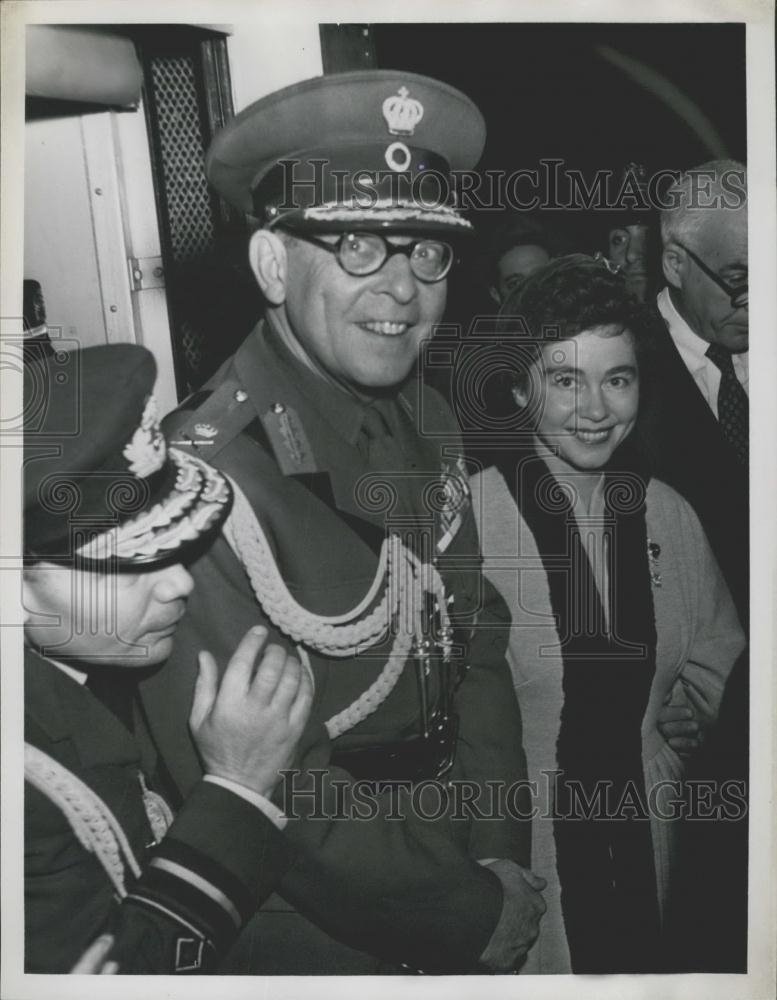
[(147, 451), (402, 112)]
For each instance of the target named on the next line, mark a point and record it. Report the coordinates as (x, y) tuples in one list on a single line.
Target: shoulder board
[(215, 419)]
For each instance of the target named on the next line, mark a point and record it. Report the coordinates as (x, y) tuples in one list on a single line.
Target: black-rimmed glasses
[(738, 295), (360, 254)]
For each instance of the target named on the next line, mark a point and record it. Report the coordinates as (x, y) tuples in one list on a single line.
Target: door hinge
[(145, 272)]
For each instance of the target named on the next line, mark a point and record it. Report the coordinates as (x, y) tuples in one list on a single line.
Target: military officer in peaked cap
[(110, 514), (352, 538)]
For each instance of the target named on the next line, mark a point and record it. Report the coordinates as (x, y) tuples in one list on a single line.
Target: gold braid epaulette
[(406, 582)]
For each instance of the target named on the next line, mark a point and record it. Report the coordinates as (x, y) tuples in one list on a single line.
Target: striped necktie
[(733, 413)]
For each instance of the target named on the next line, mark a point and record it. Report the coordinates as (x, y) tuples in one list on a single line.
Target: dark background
[(546, 91)]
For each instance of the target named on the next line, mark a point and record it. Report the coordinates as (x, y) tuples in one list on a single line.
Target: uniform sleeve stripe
[(187, 875), (143, 900), (185, 899), (181, 853)]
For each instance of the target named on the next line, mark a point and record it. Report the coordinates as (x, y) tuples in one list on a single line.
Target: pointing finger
[(535, 881), (237, 676), (288, 685), (682, 744), (300, 710), (92, 958), (689, 728), (268, 673), (204, 689), (675, 713)]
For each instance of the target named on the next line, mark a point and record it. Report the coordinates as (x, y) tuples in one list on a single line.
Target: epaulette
[(208, 421)]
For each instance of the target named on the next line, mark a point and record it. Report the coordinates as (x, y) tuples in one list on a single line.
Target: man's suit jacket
[(687, 450), (219, 859), (407, 890)]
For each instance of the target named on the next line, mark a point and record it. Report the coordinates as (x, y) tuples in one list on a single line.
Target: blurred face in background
[(628, 246), (515, 266)]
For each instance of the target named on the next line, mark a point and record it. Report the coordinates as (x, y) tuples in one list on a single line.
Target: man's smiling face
[(365, 332)]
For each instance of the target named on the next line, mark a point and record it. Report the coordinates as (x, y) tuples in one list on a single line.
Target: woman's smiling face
[(587, 392)]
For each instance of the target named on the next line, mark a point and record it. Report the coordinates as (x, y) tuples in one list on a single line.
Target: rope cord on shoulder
[(333, 636), (93, 823), (402, 605)]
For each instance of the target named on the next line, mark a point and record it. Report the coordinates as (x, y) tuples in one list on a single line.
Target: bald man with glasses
[(696, 429), (697, 425)]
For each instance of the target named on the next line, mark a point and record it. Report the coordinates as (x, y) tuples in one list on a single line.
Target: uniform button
[(278, 408), (240, 396)]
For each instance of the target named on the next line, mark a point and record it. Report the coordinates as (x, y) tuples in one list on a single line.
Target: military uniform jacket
[(219, 859), (407, 890)]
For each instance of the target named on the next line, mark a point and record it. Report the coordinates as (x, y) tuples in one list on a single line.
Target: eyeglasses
[(361, 254), (738, 295)]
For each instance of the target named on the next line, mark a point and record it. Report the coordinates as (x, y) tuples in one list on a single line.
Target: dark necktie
[(733, 413), (376, 443), (380, 445)]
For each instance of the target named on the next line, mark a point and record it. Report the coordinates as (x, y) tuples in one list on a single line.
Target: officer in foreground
[(110, 515), (352, 539)]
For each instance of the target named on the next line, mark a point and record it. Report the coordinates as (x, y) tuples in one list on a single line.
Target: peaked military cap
[(100, 483), (373, 149)]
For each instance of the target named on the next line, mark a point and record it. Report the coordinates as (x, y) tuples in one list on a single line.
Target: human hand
[(680, 728), (519, 922), (247, 727), (92, 962)]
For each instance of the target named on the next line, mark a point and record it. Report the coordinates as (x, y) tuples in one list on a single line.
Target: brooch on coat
[(654, 551)]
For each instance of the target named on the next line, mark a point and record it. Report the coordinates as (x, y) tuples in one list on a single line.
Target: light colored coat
[(699, 639)]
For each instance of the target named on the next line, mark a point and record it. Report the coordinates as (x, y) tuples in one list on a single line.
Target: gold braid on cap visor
[(198, 500), (385, 211)]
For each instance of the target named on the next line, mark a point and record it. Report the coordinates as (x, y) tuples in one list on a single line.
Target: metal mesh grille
[(188, 210), (212, 298), (192, 343), (182, 146)]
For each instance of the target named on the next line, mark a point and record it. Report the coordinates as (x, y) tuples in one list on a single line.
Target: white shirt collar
[(79, 676), (690, 345)]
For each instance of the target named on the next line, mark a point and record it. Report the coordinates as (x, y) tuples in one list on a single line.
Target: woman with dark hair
[(623, 630)]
